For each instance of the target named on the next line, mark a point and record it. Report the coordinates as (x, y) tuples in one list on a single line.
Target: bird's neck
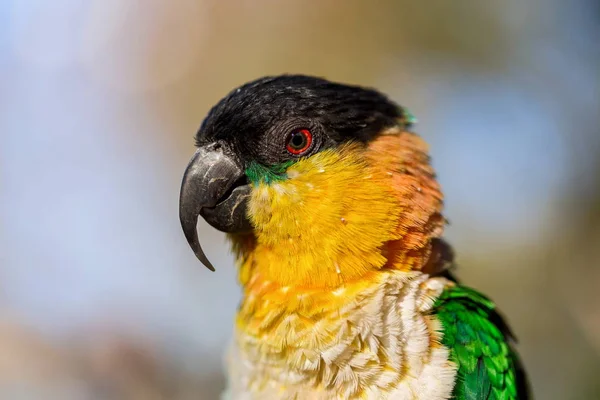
[(344, 213)]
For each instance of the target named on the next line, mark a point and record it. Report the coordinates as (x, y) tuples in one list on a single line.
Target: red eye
[(298, 141)]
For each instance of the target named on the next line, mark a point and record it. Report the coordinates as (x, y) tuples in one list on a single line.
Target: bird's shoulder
[(481, 345)]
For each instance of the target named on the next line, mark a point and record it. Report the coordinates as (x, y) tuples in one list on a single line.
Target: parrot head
[(315, 182)]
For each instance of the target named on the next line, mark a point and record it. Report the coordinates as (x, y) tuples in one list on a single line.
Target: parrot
[(334, 216)]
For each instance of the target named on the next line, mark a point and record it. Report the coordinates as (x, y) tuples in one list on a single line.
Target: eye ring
[(299, 141)]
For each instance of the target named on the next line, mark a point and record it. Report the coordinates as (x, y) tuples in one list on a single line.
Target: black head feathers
[(255, 117)]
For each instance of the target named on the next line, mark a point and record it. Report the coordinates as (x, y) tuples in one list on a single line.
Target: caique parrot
[(335, 218)]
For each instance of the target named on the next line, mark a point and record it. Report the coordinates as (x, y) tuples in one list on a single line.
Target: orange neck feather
[(343, 215)]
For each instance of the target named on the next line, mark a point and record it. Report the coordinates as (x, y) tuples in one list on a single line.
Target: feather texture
[(374, 339), (480, 344)]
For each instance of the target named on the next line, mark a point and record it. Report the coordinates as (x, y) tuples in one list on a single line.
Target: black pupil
[(298, 140)]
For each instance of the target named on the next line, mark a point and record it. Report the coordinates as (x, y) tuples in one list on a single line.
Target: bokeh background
[(100, 297)]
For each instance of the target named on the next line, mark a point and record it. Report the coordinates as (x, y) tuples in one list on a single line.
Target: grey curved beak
[(213, 185)]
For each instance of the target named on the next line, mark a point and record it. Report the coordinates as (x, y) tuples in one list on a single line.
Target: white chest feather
[(381, 345)]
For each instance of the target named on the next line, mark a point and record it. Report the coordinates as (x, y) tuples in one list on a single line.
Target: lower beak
[(214, 185)]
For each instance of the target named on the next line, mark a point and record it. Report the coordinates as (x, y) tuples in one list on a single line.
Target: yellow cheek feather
[(326, 223), (342, 213)]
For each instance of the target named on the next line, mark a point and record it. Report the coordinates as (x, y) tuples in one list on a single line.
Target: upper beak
[(214, 185)]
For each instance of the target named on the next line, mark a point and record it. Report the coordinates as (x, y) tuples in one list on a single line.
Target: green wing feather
[(480, 344)]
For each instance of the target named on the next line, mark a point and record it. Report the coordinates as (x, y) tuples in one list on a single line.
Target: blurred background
[(100, 296)]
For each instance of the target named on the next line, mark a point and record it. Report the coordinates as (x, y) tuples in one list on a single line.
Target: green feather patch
[(258, 173), (480, 345), (408, 119)]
